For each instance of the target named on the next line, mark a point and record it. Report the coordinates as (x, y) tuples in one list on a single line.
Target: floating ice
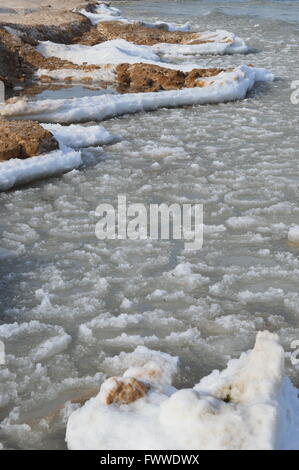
[(226, 86), (249, 405)]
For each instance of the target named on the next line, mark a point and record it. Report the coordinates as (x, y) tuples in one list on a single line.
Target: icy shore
[(249, 405)]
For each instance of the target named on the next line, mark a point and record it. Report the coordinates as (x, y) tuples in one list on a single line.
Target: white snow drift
[(249, 405), (227, 86), (17, 171)]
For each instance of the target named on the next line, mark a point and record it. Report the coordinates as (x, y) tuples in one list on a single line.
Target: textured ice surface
[(239, 159)]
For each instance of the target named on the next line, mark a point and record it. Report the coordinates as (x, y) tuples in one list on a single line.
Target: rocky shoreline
[(90, 42)]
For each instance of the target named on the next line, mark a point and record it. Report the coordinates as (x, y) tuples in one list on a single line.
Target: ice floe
[(226, 86), (249, 405)]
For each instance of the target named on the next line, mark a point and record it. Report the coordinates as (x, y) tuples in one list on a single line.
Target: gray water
[(237, 159)]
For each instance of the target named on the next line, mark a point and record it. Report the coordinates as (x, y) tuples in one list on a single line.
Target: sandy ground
[(36, 12)]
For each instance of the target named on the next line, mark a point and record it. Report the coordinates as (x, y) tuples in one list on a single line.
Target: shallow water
[(238, 159)]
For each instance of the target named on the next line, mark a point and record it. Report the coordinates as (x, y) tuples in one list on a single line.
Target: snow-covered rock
[(249, 405)]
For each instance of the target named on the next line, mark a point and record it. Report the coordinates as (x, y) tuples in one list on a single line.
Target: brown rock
[(138, 78), (23, 139), (126, 391)]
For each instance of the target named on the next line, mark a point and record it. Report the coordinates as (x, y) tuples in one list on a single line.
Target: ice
[(103, 13), (218, 42), (226, 86), (57, 272), (249, 405), (76, 136), (106, 73), (107, 13), (293, 234), (117, 51), (17, 171)]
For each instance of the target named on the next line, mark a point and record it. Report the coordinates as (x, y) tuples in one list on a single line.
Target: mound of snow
[(249, 405), (227, 86)]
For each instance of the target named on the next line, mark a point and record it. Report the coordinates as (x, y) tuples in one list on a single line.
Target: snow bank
[(249, 405), (227, 86), (16, 171)]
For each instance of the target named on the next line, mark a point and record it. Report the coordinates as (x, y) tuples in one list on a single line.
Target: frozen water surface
[(74, 309)]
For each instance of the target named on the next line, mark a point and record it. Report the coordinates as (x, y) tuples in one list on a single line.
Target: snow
[(226, 86), (17, 171), (249, 405)]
